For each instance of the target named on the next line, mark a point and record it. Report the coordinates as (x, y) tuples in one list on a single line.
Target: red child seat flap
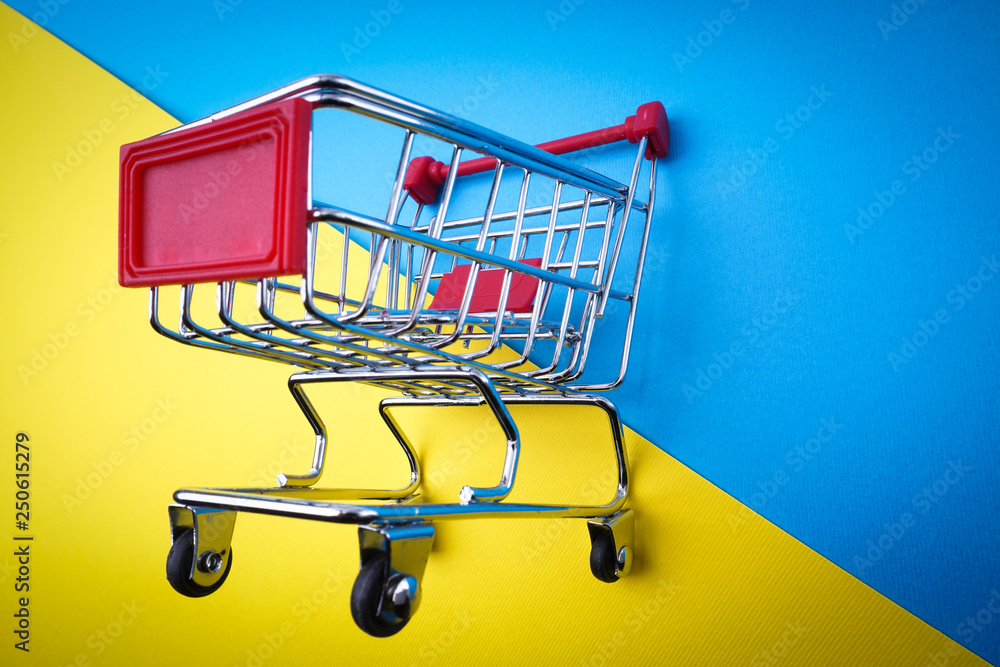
[(489, 283), (226, 200)]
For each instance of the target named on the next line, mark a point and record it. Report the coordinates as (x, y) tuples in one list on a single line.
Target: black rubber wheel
[(604, 558), (179, 568), (368, 590)]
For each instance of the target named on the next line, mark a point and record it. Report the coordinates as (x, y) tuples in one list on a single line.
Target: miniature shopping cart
[(471, 290)]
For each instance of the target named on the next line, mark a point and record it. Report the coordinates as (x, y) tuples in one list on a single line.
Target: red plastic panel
[(489, 282), (226, 200)]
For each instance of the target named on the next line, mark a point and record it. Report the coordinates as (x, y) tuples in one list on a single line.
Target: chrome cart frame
[(497, 308)]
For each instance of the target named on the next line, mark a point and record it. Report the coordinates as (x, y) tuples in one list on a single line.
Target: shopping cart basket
[(496, 308)]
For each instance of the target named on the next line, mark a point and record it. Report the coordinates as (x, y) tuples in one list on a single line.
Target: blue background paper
[(818, 333)]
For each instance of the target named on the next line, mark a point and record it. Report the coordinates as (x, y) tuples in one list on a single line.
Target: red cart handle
[(425, 175)]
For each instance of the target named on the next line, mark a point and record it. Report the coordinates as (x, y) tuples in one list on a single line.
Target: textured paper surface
[(120, 417)]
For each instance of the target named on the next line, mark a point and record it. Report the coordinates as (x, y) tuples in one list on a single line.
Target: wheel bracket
[(212, 530), (621, 527), (407, 547)]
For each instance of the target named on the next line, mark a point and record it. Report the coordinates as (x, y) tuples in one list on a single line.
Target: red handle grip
[(425, 175)]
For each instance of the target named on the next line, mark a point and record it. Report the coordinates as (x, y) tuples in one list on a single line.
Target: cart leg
[(386, 593), (319, 428), (496, 493), (612, 545), (201, 552), (489, 396), (296, 386)]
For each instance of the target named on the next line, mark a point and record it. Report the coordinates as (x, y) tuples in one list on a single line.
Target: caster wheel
[(179, 568), (368, 592), (604, 558)]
